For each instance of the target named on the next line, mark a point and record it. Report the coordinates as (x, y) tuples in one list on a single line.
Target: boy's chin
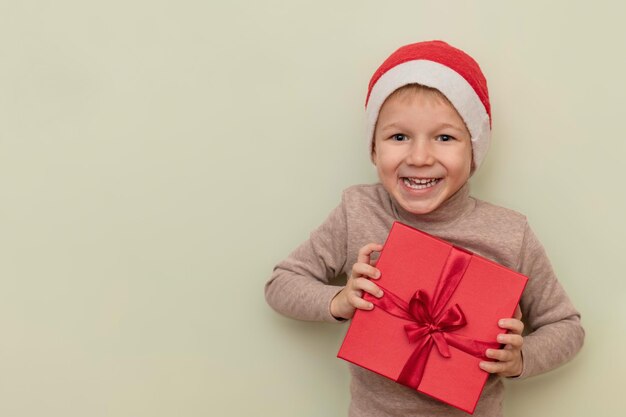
[(420, 211), (419, 208)]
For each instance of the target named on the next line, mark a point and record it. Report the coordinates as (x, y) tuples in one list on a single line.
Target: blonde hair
[(411, 90)]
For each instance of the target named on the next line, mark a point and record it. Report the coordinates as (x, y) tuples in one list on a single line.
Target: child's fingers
[(365, 251), (361, 269), (493, 367), (502, 355), (514, 340), (357, 302), (514, 325), (509, 367), (368, 286), (355, 293), (518, 313)]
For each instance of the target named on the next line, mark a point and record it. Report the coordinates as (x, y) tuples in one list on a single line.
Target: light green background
[(157, 158)]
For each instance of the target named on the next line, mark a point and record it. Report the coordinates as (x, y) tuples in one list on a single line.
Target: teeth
[(419, 184)]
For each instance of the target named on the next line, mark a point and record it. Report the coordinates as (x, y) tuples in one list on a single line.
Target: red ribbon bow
[(431, 325)]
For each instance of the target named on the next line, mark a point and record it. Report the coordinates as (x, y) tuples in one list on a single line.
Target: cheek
[(469, 161), (466, 156), (461, 163), (385, 165)]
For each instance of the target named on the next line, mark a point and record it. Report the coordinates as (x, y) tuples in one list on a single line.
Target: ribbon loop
[(419, 307), (453, 318)]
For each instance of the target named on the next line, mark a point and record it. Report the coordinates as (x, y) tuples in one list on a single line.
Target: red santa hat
[(437, 65)]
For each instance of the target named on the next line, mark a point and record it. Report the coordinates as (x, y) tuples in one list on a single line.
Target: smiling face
[(422, 149)]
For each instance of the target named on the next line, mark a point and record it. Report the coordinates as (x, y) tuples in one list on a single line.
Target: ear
[(472, 164), (373, 152)]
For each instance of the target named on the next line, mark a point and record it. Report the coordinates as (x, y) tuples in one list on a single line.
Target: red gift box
[(438, 315)]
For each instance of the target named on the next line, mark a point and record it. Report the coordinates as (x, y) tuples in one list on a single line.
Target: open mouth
[(420, 183)]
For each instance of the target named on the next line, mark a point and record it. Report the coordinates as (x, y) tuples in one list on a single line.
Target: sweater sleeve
[(299, 286), (554, 332)]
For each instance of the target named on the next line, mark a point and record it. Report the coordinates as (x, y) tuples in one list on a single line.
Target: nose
[(420, 153)]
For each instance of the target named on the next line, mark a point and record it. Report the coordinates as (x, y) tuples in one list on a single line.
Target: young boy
[(429, 125)]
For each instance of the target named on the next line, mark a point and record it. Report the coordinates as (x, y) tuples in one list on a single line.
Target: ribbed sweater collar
[(453, 209)]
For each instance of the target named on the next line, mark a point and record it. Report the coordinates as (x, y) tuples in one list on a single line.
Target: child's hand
[(509, 359), (350, 298)]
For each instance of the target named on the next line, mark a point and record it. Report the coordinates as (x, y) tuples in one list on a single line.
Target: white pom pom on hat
[(437, 65)]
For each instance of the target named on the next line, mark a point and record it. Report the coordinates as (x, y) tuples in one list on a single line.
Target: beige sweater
[(300, 287)]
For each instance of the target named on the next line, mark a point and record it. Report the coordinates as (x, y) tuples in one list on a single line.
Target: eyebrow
[(397, 126), (445, 125), (393, 125)]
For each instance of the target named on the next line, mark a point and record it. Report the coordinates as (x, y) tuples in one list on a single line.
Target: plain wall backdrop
[(157, 158)]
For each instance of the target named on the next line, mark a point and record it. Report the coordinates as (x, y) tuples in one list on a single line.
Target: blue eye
[(399, 137), (445, 138)]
